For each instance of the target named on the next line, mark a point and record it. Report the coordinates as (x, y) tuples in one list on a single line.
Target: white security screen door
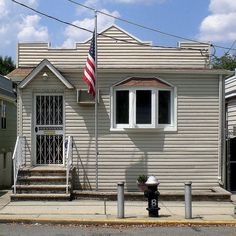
[(49, 129)]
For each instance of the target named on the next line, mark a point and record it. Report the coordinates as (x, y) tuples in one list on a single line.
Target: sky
[(203, 20)]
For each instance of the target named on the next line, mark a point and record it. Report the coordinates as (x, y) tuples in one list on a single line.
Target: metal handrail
[(18, 157), (68, 161)]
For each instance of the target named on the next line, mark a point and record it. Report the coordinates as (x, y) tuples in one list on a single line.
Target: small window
[(3, 116), (122, 107)]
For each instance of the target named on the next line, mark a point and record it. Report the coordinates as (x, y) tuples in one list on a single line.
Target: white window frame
[(155, 110)]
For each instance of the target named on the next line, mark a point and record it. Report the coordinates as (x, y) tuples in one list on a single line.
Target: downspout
[(221, 152)]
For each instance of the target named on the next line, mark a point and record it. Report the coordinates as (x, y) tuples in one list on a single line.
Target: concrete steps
[(42, 183)]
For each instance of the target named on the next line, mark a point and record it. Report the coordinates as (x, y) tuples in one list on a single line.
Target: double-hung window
[(143, 107)]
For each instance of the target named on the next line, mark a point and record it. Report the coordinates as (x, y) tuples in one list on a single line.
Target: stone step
[(37, 180), (21, 189), (42, 172), (41, 197)]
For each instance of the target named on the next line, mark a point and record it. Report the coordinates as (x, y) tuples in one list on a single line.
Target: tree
[(6, 65), (227, 61)]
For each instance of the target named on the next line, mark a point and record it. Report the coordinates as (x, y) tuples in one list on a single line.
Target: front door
[(48, 129)]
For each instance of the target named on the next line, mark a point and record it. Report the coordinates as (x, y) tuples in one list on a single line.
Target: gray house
[(7, 130), (159, 113)]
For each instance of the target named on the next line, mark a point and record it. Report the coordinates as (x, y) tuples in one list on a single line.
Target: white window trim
[(153, 108), (132, 126)]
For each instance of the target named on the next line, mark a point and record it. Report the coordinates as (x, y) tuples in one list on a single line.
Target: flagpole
[(96, 101)]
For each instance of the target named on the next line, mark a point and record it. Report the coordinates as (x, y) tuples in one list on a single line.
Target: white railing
[(18, 158), (68, 161)]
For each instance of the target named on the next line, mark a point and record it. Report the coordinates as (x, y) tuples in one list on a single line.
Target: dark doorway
[(231, 164)]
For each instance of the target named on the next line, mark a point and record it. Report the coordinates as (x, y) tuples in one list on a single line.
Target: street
[(59, 230)]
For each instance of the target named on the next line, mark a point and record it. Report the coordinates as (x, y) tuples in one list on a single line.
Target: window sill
[(141, 129)]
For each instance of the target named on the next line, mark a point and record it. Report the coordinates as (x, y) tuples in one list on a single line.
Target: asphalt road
[(55, 230)]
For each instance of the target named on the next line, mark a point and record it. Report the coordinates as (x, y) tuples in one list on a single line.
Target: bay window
[(143, 107)]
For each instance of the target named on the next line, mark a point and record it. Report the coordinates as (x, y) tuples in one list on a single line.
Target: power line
[(136, 24), (202, 51), (51, 17), (151, 29), (231, 47)]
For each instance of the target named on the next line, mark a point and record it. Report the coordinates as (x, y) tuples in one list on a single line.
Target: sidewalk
[(98, 211)]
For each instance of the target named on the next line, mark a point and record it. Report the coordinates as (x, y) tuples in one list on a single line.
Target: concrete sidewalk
[(89, 211)]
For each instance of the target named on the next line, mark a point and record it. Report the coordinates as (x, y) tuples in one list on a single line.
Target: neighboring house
[(230, 96), (7, 130), (159, 112)]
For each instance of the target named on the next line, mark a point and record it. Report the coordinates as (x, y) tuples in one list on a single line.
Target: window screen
[(143, 106), (164, 100), (122, 107)]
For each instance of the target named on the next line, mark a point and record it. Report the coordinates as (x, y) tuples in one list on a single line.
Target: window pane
[(122, 107), (164, 107), (143, 106)]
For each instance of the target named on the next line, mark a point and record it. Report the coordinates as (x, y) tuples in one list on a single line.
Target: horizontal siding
[(116, 54), (191, 153), (230, 84)]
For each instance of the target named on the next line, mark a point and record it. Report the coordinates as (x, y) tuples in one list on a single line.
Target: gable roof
[(36, 70), (124, 32)]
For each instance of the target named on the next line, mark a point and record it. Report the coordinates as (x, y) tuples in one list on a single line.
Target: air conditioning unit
[(85, 98)]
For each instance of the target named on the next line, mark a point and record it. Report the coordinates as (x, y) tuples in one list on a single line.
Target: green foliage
[(227, 61), (142, 178), (6, 65)]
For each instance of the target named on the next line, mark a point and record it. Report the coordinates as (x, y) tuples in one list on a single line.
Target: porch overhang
[(44, 63)]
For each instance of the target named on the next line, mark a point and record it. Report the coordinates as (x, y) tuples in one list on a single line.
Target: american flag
[(89, 70)]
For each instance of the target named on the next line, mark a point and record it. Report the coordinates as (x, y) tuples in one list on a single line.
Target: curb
[(107, 222)]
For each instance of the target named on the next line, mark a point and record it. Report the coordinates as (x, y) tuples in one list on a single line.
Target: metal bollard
[(120, 200), (188, 200)]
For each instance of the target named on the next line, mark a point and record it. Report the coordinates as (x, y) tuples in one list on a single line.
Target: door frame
[(33, 134)]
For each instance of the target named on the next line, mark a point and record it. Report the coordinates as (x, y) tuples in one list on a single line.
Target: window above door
[(138, 103)]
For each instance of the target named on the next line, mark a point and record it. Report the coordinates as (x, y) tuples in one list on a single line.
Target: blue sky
[(204, 20)]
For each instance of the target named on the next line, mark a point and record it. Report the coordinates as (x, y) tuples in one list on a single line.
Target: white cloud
[(222, 6), (76, 35), (17, 24), (31, 30), (3, 9), (220, 25)]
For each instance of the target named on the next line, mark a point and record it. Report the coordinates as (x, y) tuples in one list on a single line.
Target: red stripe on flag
[(89, 70)]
